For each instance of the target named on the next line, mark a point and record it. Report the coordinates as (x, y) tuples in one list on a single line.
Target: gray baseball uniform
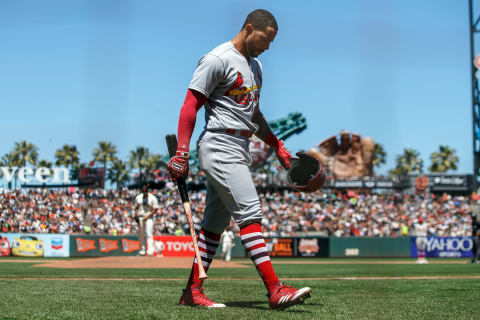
[(232, 85)]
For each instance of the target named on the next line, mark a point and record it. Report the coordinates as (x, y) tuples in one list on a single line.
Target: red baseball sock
[(207, 244), (256, 248)]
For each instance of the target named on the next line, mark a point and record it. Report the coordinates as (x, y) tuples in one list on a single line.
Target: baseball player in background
[(421, 231), (228, 81), (228, 238), (146, 205)]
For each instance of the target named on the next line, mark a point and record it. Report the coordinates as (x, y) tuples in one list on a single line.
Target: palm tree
[(138, 158), (67, 156), (118, 173), (407, 162), (105, 152), (443, 160), (379, 156), (25, 152), (44, 164), (152, 163)]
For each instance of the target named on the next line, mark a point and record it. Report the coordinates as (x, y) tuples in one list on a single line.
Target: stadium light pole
[(474, 65)]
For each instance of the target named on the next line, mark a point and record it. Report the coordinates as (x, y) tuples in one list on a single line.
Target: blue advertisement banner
[(38, 245), (444, 247)]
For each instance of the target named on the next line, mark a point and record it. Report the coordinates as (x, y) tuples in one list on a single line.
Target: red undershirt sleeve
[(194, 100)]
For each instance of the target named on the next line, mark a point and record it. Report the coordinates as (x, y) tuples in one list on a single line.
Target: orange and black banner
[(98, 246)]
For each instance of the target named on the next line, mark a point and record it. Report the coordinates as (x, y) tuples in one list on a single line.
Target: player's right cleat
[(197, 298), (285, 296)]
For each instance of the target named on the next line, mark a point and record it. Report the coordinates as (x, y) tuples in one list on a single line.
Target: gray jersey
[(232, 85)]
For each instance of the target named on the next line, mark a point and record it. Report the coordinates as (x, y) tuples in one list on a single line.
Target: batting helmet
[(306, 173)]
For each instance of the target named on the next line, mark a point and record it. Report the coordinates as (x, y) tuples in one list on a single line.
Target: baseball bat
[(182, 188)]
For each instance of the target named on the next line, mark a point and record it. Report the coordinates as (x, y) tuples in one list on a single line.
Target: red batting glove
[(178, 166), (282, 154)]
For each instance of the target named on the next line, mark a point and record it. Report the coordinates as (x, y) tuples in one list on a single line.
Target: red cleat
[(197, 298), (285, 296)]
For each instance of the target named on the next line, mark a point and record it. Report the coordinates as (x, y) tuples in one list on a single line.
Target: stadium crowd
[(285, 212)]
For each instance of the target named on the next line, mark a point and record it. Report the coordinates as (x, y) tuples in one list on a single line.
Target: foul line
[(243, 279)]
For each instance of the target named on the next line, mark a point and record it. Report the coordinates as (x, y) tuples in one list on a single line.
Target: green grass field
[(43, 293)]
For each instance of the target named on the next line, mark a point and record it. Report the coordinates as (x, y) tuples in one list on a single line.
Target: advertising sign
[(364, 184), (97, 246), (174, 246), (38, 245), (4, 247), (450, 183), (444, 247), (39, 175), (312, 247), (280, 247)]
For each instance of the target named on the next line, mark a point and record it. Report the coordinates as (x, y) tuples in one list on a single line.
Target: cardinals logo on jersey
[(240, 93), (236, 85)]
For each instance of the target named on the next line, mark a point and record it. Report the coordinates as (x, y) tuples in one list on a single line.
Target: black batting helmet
[(306, 173)]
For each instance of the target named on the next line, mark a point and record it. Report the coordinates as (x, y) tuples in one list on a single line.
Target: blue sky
[(77, 72)]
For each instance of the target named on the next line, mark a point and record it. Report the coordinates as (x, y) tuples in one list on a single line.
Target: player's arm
[(265, 134), (208, 74), (148, 216), (155, 209), (178, 165)]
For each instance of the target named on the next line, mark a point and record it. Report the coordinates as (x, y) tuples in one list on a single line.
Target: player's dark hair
[(261, 19)]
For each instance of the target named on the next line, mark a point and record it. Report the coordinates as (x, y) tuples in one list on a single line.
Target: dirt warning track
[(131, 263), (186, 263)]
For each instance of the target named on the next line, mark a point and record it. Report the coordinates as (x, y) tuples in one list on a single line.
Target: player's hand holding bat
[(178, 169), (178, 166)]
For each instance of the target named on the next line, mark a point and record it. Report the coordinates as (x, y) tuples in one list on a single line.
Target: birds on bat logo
[(240, 93)]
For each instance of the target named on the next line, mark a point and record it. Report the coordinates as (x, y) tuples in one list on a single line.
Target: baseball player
[(421, 231), (146, 205), (228, 81), (227, 243)]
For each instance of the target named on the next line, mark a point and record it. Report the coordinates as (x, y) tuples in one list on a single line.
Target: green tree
[(138, 159), (106, 152), (118, 173), (152, 162), (67, 156), (25, 152), (44, 164), (407, 162), (443, 160), (379, 155)]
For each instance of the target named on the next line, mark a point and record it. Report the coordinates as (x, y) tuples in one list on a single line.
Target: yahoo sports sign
[(41, 174), (444, 247)]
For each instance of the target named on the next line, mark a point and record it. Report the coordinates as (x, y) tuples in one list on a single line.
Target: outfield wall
[(59, 245), (370, 247)]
